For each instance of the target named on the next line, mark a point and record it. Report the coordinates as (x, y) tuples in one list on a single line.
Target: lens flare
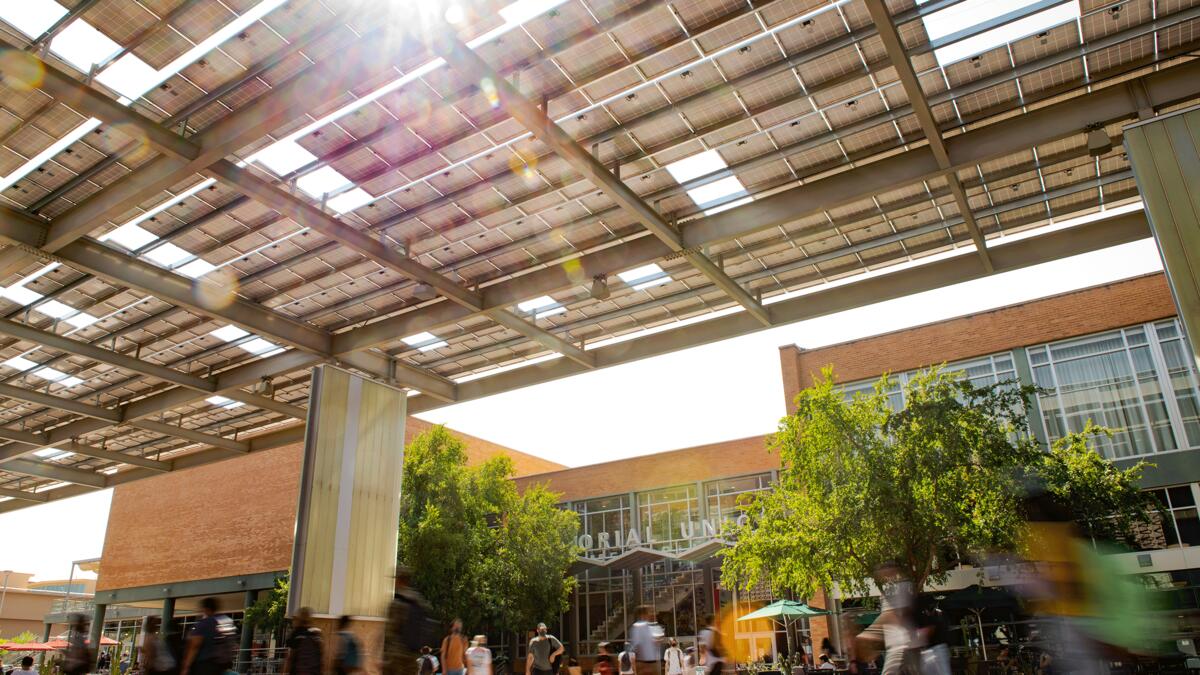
[(490, 92), (215, 290), (455, 14), (523, 164), (574, 271), (22, 71), (138, 147)]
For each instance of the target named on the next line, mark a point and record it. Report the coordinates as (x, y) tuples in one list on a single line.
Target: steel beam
[(374, 249), (24, 495), (24, 442), (535, 120), (191, 435), (920, 106), (65, 474), (1092, 236)]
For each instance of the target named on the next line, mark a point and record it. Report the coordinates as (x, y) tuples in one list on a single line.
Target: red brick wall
[(228, 518), (1058, 317), (703, 462)]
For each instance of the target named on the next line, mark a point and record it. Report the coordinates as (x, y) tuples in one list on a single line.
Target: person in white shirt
[(826, 664), (26, 667), (673, 658), (625, 661), (646, 637), (479, 657)]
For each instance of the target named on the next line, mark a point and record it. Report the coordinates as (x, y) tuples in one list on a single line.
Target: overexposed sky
[(722, 391)]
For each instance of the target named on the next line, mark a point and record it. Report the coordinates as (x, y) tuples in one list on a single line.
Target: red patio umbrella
[(60, 643), (26, 647)]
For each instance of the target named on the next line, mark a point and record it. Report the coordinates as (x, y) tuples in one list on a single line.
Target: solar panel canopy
[(203, 199)]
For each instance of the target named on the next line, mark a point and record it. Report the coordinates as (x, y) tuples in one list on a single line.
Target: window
[(669, 517), (604, 523), (981, 371), (1136, 381), (724, 498), (1182, 526)]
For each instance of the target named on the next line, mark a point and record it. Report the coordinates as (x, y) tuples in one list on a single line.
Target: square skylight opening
[(536, 304), (81, 320), (425, 341), (283, 157), (521, 11), (131, 236), (696, 166), (229, 333), (550, 312), (222, 402), (55, 309), (970, 14), (20, 363), (322, 181), (725, 207), (259, 346), (196, 268), (50, 454), (716, 190), (349, 200), (21, 295), (31, 17), (642, 273), (168, 255), (129, 76), (57, 376), (652, 282), (81, 45)]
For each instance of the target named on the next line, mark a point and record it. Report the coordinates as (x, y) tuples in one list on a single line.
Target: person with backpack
[(427, 663), (409, 627), (79, 658), (543, 650), (212, 644), (712, 651), (479, 657), (348, 659), (306, 647)]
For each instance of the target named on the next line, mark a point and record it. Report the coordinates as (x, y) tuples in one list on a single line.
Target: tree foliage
[(861, 484), (269, 612), (479, 549)]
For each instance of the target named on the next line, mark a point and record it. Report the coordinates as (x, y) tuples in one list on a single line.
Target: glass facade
[(1138, 381), (980, 371), (669, 517)]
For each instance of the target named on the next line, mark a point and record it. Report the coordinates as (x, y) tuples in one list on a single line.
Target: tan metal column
[(1165, 154)]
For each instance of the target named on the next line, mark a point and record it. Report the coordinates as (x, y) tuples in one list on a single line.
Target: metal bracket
[(1140, 97)]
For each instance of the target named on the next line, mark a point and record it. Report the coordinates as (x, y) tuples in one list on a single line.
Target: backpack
[(420, 629), (425, 665), (626, 662), (224, 643), (348, 655)]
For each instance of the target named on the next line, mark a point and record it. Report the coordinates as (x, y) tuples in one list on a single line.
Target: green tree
[(269, 612), (1103, 499), (861, 484), (479, 549)]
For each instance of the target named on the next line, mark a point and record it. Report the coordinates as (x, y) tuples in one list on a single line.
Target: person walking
[(543, 649), (712, 650), (26, 667), (673, 658), (454, 650), (427, 663), (407, 627), (79, 657), (306, 647), (646, 637), (479, 657), (154, 658), (603, 664), (212, 644), (348, 658), (626, 661)]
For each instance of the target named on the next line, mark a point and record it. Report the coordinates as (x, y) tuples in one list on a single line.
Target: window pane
[(1181, 496), (1183, 383), (1188, 523)]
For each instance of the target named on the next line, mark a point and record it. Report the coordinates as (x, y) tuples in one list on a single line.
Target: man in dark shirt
[(305, 646), (211, 644)]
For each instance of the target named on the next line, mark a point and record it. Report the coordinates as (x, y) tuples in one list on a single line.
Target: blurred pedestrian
[(544, 648), (603, 664), (712, 656), (26, 667), (154, 658), (212, 644), (479, 657), (79, 658), (673, 658), (626, 663), (646, 636), (454, 650), (347, 660), (409, 627), (427, 663), (306, 646)]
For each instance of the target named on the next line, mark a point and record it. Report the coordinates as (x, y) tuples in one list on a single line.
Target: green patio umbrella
[(784, 612)]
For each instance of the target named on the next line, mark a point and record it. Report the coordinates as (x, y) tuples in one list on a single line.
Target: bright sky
[(726, 390)]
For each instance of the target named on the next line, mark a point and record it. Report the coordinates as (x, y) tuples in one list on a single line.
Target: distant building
[(25, 603)]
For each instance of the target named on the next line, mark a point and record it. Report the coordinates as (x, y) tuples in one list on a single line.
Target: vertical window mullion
[(1164, 383), (1137, 388)]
